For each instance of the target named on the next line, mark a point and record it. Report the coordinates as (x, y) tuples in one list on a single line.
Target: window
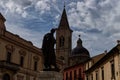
[(75, 76), (69, 42), (80, 72), (35, 65), (112, 69), (88, 65), (70, 75), (91, 76), (21, 61), (102, 73), (97, 75), (66, 76), (61, 41), (36, 59), (87, 77), (8, 57), (22, 57)]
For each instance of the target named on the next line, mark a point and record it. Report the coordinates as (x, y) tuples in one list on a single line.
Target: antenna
[(64, 3), (79, 35)]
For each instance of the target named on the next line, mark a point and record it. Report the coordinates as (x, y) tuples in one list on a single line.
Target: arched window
[(6, 77), (61, 41)]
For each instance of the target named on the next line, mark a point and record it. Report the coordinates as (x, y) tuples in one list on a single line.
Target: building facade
[(107, 68), (19, 59), (75, 72)]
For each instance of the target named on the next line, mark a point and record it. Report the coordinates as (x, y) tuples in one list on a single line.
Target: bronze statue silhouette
[(48, 50)]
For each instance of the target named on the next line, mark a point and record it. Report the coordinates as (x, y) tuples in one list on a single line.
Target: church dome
[(79, 50), (79, 54)]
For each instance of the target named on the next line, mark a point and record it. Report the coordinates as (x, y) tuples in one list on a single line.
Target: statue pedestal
[(50, 75)]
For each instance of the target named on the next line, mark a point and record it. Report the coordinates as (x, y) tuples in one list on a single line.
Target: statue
[(48, 51)]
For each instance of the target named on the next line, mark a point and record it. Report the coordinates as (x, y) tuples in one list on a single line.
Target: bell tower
[(63, 39), (2, 25)]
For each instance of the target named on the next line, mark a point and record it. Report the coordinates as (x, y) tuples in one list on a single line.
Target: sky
[(97, 21)]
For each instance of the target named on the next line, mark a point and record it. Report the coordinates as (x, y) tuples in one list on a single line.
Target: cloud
[(42, 6), (15, 7), (25, 33), (97, 21)]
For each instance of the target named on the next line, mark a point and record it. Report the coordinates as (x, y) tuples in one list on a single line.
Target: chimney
[(105, 51), (118, 41)]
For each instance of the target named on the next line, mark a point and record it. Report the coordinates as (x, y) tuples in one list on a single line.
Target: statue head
[(53, 30)]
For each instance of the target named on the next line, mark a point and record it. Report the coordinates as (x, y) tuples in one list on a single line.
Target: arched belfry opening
[(61, 41)]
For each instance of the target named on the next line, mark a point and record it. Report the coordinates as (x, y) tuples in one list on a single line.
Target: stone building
[(107, 68), (19, 59)]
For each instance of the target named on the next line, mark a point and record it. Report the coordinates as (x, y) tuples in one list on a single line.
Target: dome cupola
[(79, 53)]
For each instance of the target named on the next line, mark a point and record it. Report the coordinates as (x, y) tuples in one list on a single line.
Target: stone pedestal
[(50, 75)]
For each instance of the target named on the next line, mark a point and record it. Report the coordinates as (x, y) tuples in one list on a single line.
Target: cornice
[(15, 39)]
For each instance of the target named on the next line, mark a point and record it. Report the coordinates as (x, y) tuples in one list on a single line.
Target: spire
[(64, 21), (79, 42)]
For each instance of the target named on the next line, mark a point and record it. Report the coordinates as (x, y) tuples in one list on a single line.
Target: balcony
[(9, 65)]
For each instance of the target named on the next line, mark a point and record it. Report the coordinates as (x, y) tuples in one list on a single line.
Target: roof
[(112, 52), (1, 17), (98, 57)]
